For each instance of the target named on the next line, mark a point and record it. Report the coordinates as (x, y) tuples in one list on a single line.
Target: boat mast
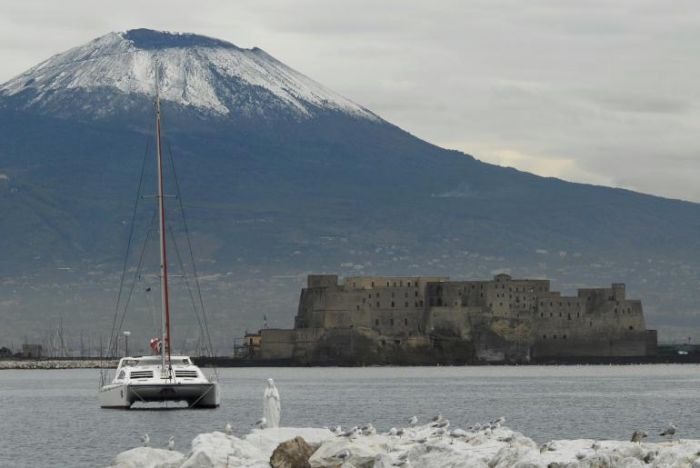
[(165, 347)]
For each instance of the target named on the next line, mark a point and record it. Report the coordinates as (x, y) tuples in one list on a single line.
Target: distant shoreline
[(228, 362)]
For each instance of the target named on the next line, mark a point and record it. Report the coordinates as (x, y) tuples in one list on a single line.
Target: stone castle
[(423, 320)]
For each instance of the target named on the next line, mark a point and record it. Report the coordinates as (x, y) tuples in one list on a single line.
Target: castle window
[(354, 285), (387, 284), (564, 336), (405, 294), (590, 324), (394, 283), (372, 283), (378, 304), (551, 314), (416, 294), (405, 321), (554, 337), (370, 295), (490, 304), (578, 314), (500, 304), (369, 304), (408, 284), (358, 307), (631, 327), (544, 337), (542, 314), (569, 316), (391, 322), (364, 300), (377, 295), (392, 303), (405, 304), (559, 314), (415, 304), (421, 303), (439, 301), (551, 304), (376, 322)]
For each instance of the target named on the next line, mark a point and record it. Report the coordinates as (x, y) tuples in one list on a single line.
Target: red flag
[(155, 345)]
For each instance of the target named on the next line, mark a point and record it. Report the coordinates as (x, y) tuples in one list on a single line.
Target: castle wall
[(512, 318), (392, 306), (289, 344)]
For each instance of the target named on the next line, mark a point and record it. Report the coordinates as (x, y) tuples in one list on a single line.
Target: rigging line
[(137, 272), (185, 279), (189, 246), (129, 241)]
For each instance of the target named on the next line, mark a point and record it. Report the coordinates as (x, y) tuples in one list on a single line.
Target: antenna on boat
[(165, 349)]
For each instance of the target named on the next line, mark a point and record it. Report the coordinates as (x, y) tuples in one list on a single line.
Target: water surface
[(52, 417)]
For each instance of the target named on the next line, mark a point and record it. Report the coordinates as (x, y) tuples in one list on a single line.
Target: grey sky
[(592, 91)]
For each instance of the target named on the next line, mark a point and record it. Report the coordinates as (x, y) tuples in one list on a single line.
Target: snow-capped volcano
[(211, 75)]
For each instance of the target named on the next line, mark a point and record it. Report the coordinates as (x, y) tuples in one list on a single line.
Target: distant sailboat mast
[(165, 346)]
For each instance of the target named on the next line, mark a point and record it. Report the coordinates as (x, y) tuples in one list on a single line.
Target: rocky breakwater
[(436, 444)]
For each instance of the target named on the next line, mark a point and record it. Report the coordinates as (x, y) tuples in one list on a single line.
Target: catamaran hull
[(197, 395)]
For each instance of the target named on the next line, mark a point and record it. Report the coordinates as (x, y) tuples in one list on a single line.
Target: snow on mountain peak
[(209, 74)]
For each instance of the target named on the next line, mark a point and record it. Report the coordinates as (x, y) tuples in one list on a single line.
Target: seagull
[(498, 422), (442, 423), (228, 429), (547, 447), (669, 431), (368, 430), (171, 443), (437, 418), (596, 445), (637, 436), (400, 432), (261, 423), (393, 431), (343, 454), (350, 433), (458, 433), (145, 440), (413, 420)]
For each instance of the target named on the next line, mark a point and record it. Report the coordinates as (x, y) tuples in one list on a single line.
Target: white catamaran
[(164, 377)]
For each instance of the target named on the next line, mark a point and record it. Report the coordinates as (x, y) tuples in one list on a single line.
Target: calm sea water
[(52, 418)]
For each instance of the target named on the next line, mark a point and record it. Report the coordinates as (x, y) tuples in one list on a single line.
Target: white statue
[(271, 405)]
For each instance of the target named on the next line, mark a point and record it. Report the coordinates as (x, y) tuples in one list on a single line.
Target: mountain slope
[(280, 177)]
